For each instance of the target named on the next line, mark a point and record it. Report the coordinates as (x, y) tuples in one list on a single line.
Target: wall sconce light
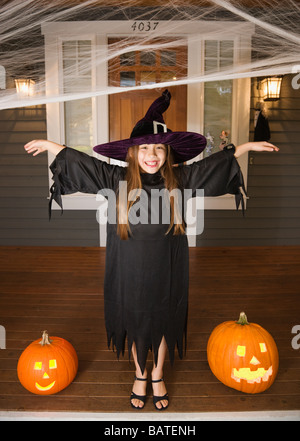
[(25, 87), (270, 88)]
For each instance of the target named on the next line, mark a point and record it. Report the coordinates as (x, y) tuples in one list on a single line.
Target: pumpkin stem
[(243, 319), (45, 339)]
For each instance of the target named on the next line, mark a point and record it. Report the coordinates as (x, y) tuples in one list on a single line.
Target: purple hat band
[(152, 130)]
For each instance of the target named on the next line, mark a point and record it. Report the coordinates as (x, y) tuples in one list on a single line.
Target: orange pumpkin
[(243, 355), (47, 365)]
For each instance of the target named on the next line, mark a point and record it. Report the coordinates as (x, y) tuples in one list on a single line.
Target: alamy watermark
[(296, 78), (153, 209), (296, 339), (2, 337)]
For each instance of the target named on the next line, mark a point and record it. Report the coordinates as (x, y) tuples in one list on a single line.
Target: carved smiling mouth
[(41, 388), (251, 377)]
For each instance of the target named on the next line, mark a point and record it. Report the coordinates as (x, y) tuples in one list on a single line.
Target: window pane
[(168, 58), (69, 49), (217, 96), (211, 65), (226, 49), (127, 59), (75, 84), (225, 62), (84, 69), (211, 48), (148, 58), (168, 76), (77, 77), (127, 79), (78, 124), (69, 65), (84, 48), (84, 58), (148, 78), (217, 114)]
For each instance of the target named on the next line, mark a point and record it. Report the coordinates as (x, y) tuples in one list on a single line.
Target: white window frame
[(99, 32)]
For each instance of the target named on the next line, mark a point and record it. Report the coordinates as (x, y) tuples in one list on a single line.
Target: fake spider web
[(275, 41)]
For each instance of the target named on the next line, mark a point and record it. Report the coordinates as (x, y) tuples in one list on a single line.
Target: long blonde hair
[(134, 182)]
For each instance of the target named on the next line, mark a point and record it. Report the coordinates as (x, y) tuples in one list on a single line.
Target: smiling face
[(38, 366), (151, 157), (250, 374)]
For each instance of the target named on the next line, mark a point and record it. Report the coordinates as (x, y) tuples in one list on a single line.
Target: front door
[(141, 68)]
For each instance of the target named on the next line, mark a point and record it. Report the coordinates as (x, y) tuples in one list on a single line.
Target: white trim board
[(152, 416)]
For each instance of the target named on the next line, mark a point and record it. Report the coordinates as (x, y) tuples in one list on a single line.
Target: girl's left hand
[(38, 146), (262, 146)]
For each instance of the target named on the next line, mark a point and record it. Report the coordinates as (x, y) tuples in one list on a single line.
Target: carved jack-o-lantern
[(47, 366), (243, 355)]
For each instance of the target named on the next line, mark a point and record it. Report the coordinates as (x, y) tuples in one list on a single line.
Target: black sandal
[(156, 399), (134, 396)]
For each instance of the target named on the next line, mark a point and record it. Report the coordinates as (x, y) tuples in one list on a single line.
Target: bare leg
[(159, 389), (139, 387)]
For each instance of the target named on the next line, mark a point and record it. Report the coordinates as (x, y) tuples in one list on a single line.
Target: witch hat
[(151, 129)]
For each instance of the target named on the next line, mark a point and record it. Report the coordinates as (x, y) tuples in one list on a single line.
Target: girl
[(146, 274)]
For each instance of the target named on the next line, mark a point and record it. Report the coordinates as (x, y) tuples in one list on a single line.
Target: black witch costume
[(147, 276)]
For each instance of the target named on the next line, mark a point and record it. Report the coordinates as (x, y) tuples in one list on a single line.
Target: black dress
[(146, 276)]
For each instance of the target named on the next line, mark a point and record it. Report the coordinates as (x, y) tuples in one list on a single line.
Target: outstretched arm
[(42, 145), (220, 173), (74, 171), (262, 146)]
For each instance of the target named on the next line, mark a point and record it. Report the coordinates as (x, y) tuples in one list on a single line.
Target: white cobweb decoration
[(275, 42)]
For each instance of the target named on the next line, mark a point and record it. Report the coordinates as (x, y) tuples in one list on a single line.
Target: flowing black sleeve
[(217, 174), (74, 171)]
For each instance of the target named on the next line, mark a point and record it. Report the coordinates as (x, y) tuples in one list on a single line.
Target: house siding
[(272, 216), (24, 189)]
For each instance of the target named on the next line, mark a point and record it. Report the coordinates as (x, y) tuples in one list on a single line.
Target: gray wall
[(24, 189), (273, 210)]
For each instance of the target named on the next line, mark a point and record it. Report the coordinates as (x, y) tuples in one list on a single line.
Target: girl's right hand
[(38, 146)]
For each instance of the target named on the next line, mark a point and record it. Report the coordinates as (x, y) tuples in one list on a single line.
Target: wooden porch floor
[(60, 289)]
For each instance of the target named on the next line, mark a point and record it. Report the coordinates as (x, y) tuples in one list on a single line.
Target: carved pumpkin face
[(38, 366), (47, 366), (258, 369), (243, 356)]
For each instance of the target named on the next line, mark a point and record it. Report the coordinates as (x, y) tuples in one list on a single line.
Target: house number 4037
[(144, 26)]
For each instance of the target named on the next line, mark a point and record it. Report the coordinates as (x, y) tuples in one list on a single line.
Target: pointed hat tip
[(158, 107)]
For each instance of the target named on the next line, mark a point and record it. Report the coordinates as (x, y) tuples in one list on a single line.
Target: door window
[(141, 68)]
